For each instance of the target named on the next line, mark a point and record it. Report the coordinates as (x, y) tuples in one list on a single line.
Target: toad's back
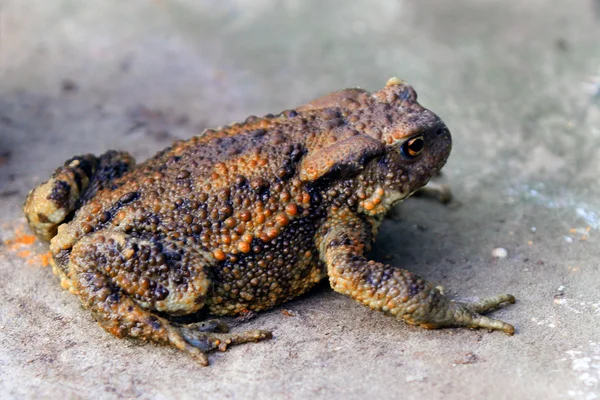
[(232, 199)]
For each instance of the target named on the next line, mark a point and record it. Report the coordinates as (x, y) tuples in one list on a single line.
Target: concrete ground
[(518, 84)]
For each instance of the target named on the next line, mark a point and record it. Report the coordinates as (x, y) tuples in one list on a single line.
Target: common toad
[(248, 216)]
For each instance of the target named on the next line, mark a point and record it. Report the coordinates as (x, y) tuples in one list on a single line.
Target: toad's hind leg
[(124, 296), (70, 186)]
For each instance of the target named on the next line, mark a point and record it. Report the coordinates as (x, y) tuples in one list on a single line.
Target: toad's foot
[(440, 192), (201, 338), (468, 314), (207, 336)]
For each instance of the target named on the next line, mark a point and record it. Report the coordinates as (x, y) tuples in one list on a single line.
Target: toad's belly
[(284, 268)]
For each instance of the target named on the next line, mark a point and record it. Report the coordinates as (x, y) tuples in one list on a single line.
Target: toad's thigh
[(156, 275)]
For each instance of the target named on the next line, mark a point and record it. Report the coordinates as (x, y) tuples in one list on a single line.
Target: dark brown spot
[(128, 197), (183, 174), (60, 193)]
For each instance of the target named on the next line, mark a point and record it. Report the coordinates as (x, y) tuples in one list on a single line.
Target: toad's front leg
[(395, 291)]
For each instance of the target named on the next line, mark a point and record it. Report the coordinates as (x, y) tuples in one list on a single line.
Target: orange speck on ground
[(20, 240), (24, 253), (287, 313), (45, 258), (40, 259)]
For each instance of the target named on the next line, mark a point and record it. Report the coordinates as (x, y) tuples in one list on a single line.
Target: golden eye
[(413, 147)]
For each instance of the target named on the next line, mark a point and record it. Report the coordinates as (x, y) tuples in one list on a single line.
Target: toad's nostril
[(441, 131)]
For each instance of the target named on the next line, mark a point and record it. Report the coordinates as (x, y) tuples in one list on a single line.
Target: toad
[(248, 216)]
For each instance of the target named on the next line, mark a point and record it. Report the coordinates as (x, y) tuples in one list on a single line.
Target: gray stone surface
[(517, 83)]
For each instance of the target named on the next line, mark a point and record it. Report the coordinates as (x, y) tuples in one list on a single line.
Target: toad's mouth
[(383, 199)]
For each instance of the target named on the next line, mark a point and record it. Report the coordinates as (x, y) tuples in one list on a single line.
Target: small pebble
[(568, 239), (499, 252)]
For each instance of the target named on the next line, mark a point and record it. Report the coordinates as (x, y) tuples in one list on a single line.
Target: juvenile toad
[(246, 217)]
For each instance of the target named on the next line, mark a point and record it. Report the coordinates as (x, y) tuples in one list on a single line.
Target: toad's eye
[(413, 147)]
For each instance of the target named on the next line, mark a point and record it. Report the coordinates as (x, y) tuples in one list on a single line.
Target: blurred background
[(517, 83)]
